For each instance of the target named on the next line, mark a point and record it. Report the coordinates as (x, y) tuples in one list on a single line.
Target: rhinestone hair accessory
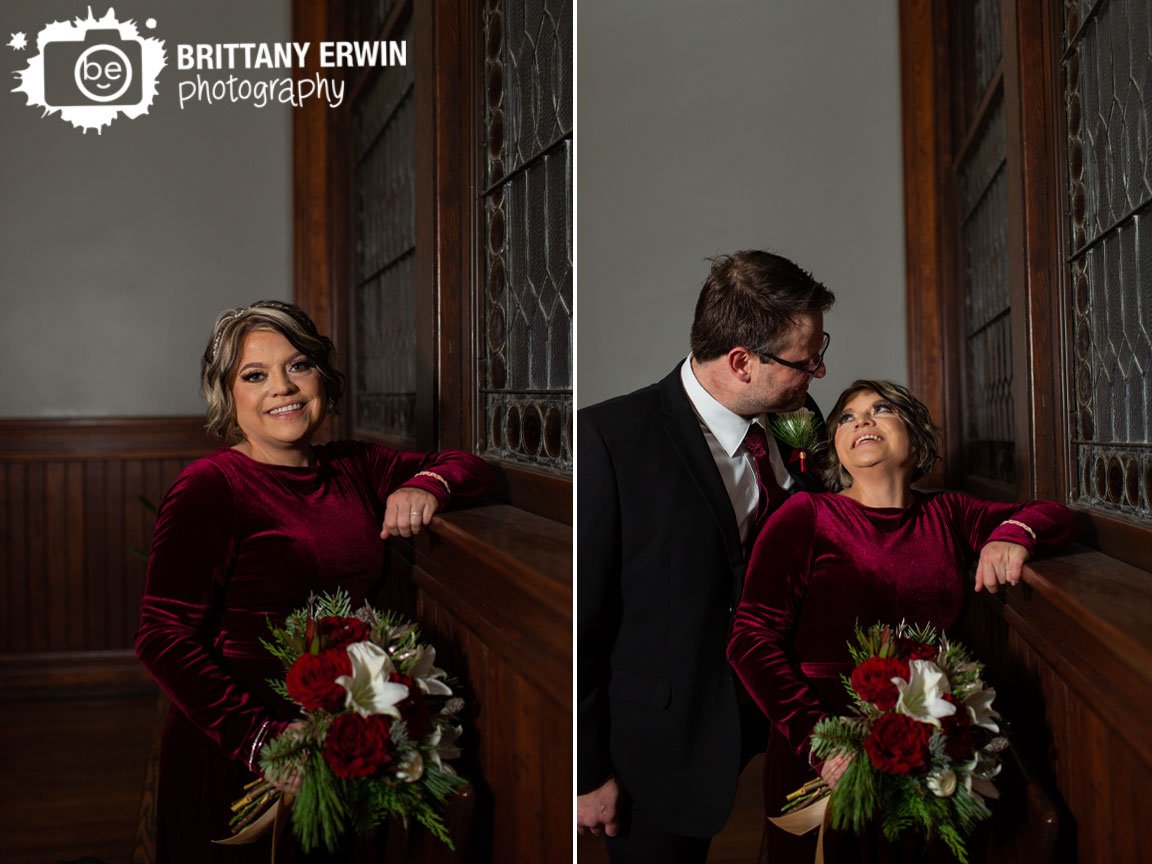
[(240, 313), (222, 326)]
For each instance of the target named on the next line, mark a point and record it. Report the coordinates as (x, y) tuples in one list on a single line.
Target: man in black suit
[(674, 481)]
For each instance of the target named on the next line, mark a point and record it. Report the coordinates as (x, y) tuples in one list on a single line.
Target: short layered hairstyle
[(222, 355), (923, 435)]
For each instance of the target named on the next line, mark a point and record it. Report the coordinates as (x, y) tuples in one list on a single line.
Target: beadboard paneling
[(71, 516)]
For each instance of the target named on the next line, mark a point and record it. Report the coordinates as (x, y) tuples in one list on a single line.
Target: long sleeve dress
[(238, 542), (824, 562)]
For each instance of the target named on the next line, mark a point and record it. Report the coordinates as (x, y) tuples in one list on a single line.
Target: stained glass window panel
[(384, 337), (1108, 102), (525, 357)]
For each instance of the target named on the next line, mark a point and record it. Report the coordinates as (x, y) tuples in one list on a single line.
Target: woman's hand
[(1000, 562), (291, 785), (833, 769), (407, 510)]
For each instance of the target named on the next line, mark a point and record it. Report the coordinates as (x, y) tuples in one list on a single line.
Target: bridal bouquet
[(922, 735), (379, 721)]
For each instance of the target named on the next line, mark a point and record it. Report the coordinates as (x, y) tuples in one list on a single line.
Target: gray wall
[(117, 250), (706, 128)]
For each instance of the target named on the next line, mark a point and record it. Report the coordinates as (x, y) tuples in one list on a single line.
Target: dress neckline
[(293, 470), (887, 517)]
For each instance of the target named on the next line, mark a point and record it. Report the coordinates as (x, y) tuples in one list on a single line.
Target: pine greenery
[(937, 798), (327, 806)]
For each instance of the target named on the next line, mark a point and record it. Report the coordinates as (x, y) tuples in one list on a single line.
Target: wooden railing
[(1070, 654), (491, 588)]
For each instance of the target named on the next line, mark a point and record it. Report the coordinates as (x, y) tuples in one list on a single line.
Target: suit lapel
[(683, 429)]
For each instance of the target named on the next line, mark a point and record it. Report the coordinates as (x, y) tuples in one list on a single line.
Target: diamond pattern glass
[(1108, 100), (525, 356)]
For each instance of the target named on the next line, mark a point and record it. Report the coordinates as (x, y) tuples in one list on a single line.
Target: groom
[(674, 482)]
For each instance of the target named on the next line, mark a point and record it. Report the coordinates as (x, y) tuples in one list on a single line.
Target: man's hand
[(596, 810), (1000, 562)]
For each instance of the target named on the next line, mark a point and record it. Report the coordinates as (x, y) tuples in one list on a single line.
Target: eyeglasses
[(811, 366)]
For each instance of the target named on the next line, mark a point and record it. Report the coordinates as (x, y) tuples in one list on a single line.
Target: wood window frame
[(446, 51), (1037, 234)]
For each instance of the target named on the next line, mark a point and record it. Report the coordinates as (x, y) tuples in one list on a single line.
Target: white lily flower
[(942, 783), (369, 690), (979, 705), (922, 695), (425, 672)]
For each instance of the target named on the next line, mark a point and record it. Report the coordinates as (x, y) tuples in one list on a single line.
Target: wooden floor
[(738, 843), (71, 774)]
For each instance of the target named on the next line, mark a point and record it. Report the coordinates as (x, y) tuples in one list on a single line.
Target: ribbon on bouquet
[(802, 821)]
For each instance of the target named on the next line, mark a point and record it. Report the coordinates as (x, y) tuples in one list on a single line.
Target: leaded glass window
[(1108, 99), (982, 202), (525, 350), (384, 292)]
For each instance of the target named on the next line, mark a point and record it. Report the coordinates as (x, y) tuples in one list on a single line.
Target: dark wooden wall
[(492, 589), (71, 514), (76, 708), (1070, 654)]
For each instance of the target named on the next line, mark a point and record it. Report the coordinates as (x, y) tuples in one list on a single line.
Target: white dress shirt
[(724, 431)]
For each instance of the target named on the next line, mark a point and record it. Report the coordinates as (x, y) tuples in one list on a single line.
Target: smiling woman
[(245, 535), (873, 550)]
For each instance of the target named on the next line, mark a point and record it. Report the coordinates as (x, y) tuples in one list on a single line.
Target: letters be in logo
[(91, 70), (101, 70)]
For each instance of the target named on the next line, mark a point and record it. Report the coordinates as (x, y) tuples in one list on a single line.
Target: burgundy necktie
[(771, 495)]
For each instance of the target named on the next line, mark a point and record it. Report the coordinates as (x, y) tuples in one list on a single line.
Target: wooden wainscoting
[(1070, 654), (492, 588), (73, 526), (76, 708)]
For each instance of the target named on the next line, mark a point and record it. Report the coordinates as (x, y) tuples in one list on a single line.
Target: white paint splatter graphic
[(92, 70), (18, 41)]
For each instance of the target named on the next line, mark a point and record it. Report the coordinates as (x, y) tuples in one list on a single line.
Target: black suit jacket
[(660, 570)]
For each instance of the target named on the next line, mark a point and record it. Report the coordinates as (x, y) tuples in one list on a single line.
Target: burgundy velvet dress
[(824, 561), (238, 542)]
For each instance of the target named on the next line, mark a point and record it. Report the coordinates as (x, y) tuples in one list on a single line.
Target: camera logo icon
[(92, 70), (100, 70)]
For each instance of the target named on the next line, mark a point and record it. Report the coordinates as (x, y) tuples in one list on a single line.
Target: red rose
[(911, 650), (957, 732), (413, 709), (872, 679), (359, 746), (342, 632), (898, 744), (312, 679)]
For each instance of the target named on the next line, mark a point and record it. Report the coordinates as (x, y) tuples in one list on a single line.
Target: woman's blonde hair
[(218, 366), (923, 435)]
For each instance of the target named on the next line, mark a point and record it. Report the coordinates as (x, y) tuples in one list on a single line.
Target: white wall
[(117, 250), (705, 128)]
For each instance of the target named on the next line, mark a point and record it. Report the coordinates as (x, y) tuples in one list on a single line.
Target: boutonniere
[(797, 429)]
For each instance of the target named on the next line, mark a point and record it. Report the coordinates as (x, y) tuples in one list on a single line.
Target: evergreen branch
[(319, 813)]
